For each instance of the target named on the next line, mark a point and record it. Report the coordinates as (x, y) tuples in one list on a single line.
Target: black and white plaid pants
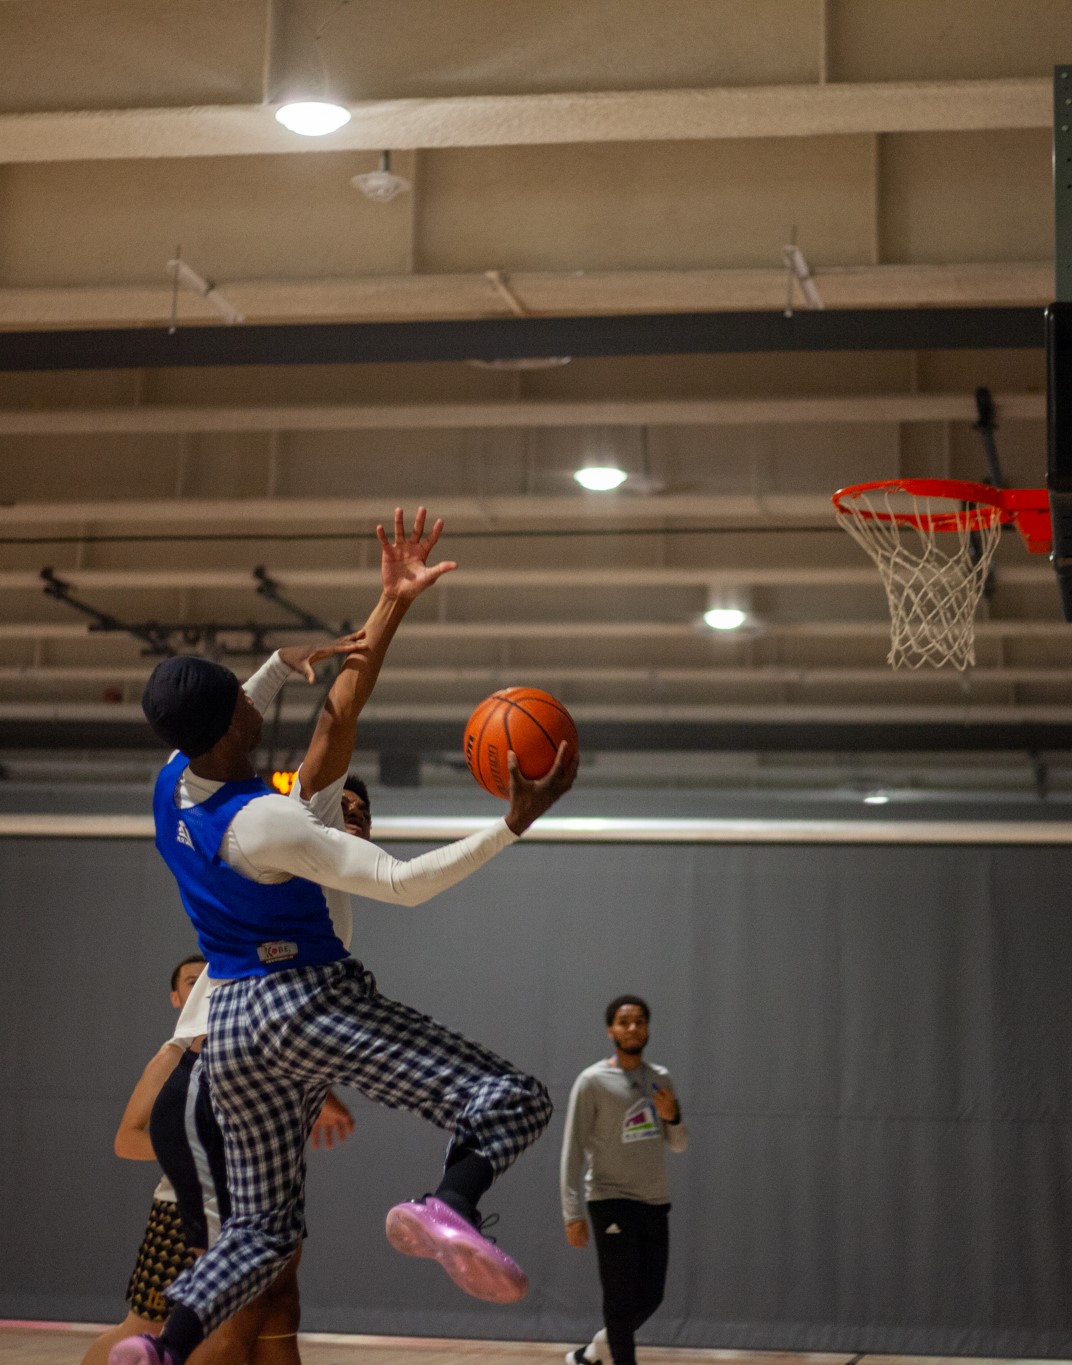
[(275, 1045)]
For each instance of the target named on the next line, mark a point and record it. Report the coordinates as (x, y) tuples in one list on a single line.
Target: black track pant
[(632, 1244)]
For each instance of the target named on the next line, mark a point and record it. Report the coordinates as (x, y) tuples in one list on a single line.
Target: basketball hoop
[(933, 587)]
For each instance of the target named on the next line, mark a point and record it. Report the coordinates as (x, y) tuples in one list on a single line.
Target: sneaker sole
[(478, 1274), (131, 1351)]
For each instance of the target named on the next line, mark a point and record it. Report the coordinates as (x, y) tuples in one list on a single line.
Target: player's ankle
[(182, 1333), (463, 1207)]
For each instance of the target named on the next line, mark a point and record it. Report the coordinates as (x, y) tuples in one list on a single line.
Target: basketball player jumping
[(298, 1013)]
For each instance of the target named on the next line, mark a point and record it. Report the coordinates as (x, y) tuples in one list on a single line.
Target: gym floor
[(61, 1343)]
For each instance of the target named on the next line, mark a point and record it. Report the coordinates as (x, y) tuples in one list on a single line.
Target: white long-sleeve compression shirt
[(274, 838)]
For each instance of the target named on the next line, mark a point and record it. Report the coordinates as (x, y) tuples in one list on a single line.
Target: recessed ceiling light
[(876, 799), (725, 618), (600, 478), (523, 362), (312, 118)]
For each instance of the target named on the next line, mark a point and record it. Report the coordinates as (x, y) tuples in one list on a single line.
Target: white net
[(933, 579)]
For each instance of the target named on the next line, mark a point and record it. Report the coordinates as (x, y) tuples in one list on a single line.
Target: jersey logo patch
[(183, 835), (279, 950), (641, 1122)]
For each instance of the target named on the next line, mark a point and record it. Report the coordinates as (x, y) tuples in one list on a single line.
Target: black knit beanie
[(189, 701)]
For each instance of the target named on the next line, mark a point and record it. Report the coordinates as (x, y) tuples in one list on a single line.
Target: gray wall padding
[(873, 1046)]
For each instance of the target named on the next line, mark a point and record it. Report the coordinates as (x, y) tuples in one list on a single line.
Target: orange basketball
[(531, 722)]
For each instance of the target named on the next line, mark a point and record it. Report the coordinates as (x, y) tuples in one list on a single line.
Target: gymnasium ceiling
[(567, 160)]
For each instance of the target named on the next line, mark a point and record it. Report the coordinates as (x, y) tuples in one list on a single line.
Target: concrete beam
[(776, 111), (561, 294)]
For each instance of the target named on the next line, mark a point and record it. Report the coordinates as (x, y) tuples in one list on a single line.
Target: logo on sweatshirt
[(183, 835), (641, 1122)]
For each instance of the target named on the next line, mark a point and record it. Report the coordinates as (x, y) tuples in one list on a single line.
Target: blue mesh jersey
[(244, 928)]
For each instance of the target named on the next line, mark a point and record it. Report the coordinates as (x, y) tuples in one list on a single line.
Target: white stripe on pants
[(275, 1045)]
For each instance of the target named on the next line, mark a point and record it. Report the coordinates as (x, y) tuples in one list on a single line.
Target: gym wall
[(871, 1044)]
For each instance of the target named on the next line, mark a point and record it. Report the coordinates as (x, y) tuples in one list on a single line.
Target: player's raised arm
[(406, 574)]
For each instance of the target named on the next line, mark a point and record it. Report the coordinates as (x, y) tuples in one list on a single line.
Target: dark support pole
[(268, 587), (1059, 344), (1062, 178), (986, 426), (149, 633)]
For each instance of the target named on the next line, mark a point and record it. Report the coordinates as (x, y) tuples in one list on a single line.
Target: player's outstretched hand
[(404, 561), (301, 658), (332, 1125), (530, 799)]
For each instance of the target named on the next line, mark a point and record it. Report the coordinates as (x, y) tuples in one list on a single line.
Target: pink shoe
[(142, 1350), (432, 1229)]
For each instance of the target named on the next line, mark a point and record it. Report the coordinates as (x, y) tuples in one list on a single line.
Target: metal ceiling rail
[(453, 714), (500, 675), (546, 293), (515, 413), (573, 579), (583, 630), (513, 515), (847, 329)]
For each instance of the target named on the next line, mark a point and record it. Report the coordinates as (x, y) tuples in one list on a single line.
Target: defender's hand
[(333, 1124), (403, 563), (529, 800), (577, 1233), (301, 658)]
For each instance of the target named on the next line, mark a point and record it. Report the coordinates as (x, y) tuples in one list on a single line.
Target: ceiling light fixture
[(876, 798), (312, 118), (296, 78), (381, 185), (725, 618), (600, 478)]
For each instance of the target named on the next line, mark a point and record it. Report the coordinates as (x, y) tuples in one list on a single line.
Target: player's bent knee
[(540, 1101)]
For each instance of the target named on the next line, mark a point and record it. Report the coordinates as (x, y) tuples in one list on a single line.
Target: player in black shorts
[(163, 1253)]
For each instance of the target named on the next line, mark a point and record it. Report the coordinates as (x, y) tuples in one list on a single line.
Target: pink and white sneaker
[(141, 1350), (431, 1229)]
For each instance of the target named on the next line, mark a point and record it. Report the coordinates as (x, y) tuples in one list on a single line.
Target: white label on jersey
[(183, 835), (641, 1122), (278, 951)]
